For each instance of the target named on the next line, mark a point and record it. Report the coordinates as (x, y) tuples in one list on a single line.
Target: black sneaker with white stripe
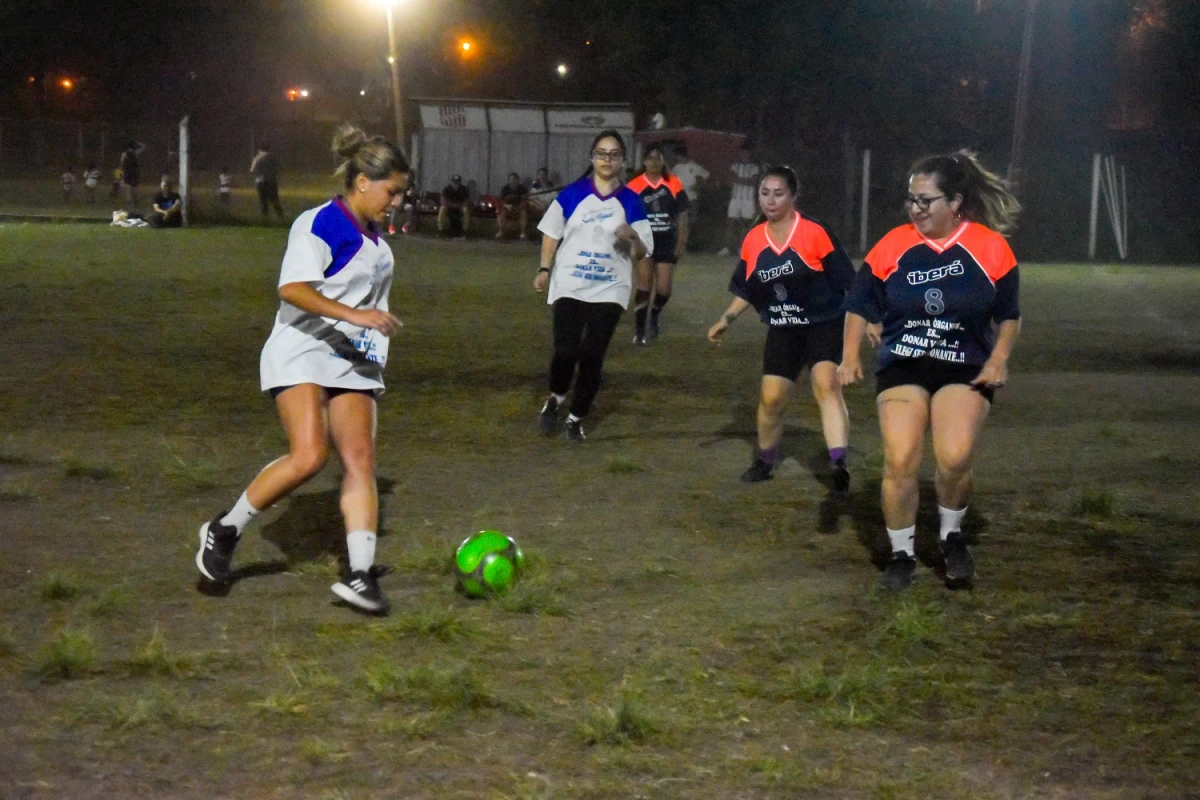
[(548, 417), (360, 589), (899, 573), (215, 555), (960, 564)]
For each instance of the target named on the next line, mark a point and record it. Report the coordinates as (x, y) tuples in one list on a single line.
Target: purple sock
[(837, 455), (768, 456)]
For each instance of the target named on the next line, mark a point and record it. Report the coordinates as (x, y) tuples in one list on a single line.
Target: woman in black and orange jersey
[(945, 288), (796, 275), (667, 207)]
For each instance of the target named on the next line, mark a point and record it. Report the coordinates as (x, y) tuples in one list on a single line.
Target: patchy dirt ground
[(679, 634)]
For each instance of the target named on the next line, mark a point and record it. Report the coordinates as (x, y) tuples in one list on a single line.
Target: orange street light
[(67, 84)]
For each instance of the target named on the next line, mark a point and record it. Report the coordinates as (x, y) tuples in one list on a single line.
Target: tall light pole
[(1021, 114), (394, 61)]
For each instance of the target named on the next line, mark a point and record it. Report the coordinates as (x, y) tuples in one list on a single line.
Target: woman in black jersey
[(945, 288), (795, 274), (667, 207)]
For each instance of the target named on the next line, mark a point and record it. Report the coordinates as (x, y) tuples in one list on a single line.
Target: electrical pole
[(1021, 115)]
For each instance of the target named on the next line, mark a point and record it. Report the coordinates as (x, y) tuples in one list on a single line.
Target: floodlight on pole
[(562, 70), (393, 60)]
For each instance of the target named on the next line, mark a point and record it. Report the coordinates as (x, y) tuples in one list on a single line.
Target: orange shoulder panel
[(884, 257), (754, 243), (675, 185), (990, 249), (638, 184), (814, 241)]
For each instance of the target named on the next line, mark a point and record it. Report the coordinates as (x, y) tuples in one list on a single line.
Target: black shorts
[(664, 248), (930, 375), (789, 350), (330, 391)]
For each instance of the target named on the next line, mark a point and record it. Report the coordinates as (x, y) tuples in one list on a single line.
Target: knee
[(309, 459), (772, 403), (953, 461), (358, 459), (825, 386), (901, 466)]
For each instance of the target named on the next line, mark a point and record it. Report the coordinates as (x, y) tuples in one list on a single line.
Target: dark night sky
[(721, 63)]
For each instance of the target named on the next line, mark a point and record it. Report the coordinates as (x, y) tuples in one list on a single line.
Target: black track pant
[(582, 332)]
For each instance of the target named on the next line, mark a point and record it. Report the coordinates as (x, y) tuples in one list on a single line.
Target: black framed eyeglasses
[(608, 155), (922, 203)]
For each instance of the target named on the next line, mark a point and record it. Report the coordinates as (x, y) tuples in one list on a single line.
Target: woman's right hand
[(377, 320), (849, 372), (540, 281), (717, 330), (875, 333)]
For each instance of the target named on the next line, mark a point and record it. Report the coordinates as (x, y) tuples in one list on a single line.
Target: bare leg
[(903, 418), (303, 410)]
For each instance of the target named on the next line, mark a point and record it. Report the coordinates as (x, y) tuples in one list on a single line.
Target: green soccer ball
[(488, 562)]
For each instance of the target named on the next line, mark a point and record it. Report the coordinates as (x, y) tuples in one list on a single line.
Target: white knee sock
[(951, 520), (241, 514), (902, 540), (361, 546)]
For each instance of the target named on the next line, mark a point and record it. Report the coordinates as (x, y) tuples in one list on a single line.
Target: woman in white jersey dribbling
[(593, 233), (323, 363)]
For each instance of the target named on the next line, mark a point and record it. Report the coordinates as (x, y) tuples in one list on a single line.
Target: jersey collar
[(787, 239), (368, 231), (946, 243), (596, 190)]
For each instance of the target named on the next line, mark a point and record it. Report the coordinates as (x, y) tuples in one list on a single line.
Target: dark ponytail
[(606, 134), (986, 197)]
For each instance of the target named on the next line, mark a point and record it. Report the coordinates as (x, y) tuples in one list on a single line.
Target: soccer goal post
[(183, 168)]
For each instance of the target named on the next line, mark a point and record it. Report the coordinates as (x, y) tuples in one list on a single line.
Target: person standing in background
[(265, 168), (743, 207)]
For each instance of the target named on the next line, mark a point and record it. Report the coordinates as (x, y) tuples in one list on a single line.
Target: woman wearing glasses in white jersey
[(592, 235)]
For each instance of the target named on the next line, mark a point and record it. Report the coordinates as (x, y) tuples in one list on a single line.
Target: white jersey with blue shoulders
[(588, 266), (329, 250)]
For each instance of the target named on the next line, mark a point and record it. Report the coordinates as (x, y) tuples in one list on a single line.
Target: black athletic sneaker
[(899, 572), (759, 471), (360, 589), (217, 542), (960, 564), (548, 417), (841, 478), (654, 327), (639, 339), (574, 431)]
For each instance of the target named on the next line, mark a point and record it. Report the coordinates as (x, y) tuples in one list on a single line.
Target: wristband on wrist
[(729, 318), (543, 269)]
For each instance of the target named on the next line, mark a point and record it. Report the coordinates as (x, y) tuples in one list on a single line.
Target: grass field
[(42, 198), (680, 635)]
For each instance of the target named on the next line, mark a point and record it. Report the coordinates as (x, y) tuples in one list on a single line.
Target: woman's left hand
[(993, 375)]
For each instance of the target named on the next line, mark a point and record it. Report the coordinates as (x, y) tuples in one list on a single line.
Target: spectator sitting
[(168, 206), (514, 199), (407, 207), (543, 191), (455, 208)]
